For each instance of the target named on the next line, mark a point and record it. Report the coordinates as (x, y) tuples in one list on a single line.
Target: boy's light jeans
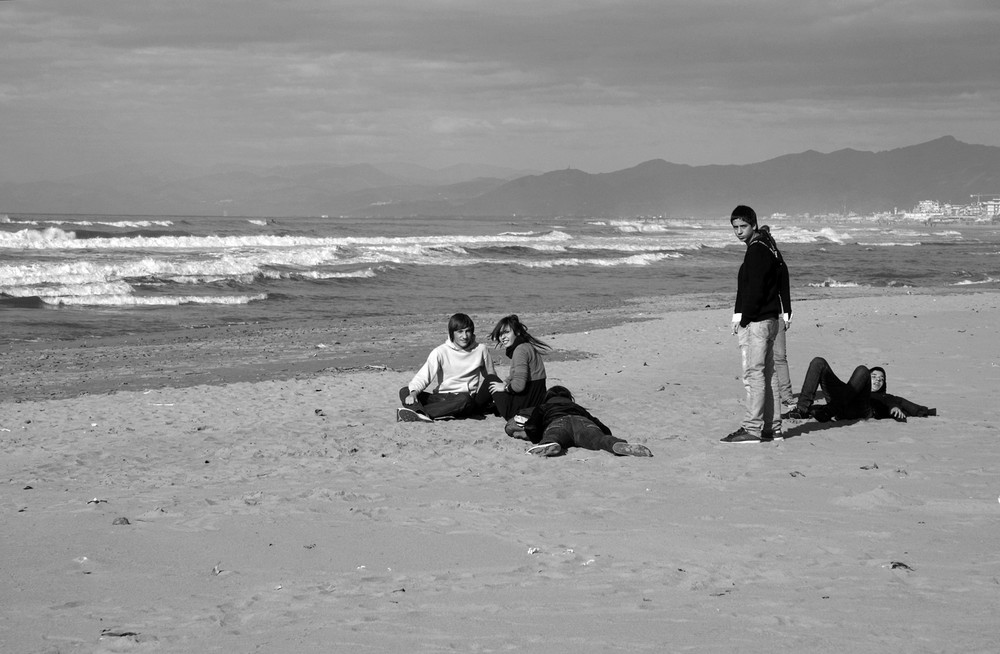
[(785, 391), (757, 350)]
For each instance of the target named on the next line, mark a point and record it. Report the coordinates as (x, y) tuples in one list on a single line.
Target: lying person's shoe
[(741, 435), (545, 449), (795, 414), (630, 449), (406, 414)]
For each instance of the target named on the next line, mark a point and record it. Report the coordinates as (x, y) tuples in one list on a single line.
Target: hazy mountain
[(847, 180), (945, 170), (452, 174)]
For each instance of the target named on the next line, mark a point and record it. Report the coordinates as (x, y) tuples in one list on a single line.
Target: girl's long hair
[(519, 330)]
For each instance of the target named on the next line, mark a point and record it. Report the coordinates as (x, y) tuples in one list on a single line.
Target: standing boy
[(755, 322)]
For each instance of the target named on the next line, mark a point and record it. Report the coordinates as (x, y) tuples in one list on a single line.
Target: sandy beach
[(278, 507)]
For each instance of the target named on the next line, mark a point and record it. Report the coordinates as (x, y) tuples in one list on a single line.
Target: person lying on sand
[(862, 396), (456, 371), (559, 423)]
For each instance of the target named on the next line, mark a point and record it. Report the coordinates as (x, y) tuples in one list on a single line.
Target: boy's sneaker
[(545, 449), (741, 435), (630, 449), (406, 414), (770, 436)]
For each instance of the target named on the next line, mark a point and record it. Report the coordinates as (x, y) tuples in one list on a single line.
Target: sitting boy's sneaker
[(741, 435), (406, 414), (630, 449), (545, 449)]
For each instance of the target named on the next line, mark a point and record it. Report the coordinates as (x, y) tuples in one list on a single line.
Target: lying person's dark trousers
[(844, 401)]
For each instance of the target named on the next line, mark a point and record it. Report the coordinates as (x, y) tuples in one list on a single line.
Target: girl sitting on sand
[(863, 396), (559, 423), (524, 386)]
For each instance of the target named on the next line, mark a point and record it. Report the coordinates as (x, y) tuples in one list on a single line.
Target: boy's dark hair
[(745, 213), (459, 321), (558, 391)]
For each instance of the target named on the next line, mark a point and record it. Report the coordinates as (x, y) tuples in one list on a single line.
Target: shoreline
[(303, 349)]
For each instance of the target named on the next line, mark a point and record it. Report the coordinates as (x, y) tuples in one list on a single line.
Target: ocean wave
[(95, 272), (127, 224), (634, 260), (972, 282), (833, 283), (74, 290), (154, 301), (830, 235), (888, 245), (640, 226), (59, 239), (319, 275)]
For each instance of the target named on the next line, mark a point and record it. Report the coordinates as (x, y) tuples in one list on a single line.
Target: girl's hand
[(497, 387)]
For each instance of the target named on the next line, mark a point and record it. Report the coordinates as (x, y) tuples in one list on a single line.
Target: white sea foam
[(888, 244), (641, 226), (634, 260), (970, 282), (76, 290), (123, 224), (151, 301), (56, 239), (833, 283)]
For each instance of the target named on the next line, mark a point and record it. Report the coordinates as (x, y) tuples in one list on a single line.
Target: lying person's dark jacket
[(882, 403)]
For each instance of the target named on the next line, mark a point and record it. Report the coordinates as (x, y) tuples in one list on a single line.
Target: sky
[(598, 85)]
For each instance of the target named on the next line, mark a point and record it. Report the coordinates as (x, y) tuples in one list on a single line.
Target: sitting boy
[(455, 371)]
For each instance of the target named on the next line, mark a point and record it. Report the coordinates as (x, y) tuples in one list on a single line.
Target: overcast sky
[(598, 85)]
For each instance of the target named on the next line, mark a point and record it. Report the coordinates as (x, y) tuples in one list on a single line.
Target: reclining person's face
[(878, 380)]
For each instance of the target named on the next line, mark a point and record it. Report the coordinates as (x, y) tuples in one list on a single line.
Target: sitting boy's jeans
[(761, 384), (441, 405)]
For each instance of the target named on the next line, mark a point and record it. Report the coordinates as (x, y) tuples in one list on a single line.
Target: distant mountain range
[(945, 170)]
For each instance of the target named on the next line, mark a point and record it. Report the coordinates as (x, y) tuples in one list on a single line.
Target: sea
[(90, 276)]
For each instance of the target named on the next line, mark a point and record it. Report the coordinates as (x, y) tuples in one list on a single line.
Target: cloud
[(607, 83)]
